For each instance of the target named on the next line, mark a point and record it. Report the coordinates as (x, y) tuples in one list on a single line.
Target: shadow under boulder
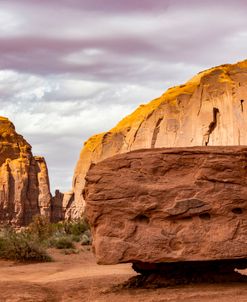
[(179, 215), (184, 273)]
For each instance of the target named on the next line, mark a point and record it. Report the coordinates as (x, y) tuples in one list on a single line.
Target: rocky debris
[(24, 181), (209, 110), (169, 205)]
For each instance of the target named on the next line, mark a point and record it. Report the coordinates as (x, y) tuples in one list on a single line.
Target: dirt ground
[(77, 277)]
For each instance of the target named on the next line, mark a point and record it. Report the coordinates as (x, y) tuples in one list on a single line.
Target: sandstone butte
[(24, 181), (209, 110), (169, 205)]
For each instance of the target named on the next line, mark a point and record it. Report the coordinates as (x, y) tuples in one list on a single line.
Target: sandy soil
[(77, 277)]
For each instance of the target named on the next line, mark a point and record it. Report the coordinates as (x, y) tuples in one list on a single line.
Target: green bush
[(30, 244), (22, 247), (64, 242), (41, 228), (3, 246), (76, 238), (77, 227)]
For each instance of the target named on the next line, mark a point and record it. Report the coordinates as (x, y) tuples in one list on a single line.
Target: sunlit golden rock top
[(210, 109), (171, 97)]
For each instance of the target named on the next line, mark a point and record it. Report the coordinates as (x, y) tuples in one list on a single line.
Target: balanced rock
[(209, 110), (24, 181), (169, 205)]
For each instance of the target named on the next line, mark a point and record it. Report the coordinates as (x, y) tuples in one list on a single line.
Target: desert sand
[(77, 277)]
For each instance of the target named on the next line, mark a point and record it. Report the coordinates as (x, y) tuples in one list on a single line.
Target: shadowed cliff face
[(209, 110), (24, 181)]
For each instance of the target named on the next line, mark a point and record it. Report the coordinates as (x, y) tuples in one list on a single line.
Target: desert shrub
[(77, 227), (41, 228), (3, 244), (22, 247), (89, 234), (85, 240), (30, 243), (64, 242), (76, 238)]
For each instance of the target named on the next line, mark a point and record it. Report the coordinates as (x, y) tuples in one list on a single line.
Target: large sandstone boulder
[(24, 181), (209, 110), (169, 205)]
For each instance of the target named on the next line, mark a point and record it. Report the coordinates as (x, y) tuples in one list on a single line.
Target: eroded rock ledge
[(169, 205)]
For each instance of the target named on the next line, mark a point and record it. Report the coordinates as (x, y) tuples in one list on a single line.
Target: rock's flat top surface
[(210, 109), (166, 205)]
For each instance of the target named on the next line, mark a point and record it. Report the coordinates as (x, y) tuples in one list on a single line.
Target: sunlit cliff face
[(24, 181), (209, 110)]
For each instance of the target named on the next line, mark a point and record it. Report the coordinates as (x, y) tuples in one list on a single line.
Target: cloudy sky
[(73, 68)]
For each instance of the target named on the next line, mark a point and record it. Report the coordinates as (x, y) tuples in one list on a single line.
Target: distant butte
[(24, 181)]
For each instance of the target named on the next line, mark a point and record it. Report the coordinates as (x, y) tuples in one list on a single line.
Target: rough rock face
[(210, 109), (169, 205), (24, 182), (61, 206)]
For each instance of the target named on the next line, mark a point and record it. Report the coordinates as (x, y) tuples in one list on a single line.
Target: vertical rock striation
[(61, 208), (24, 181), (209, 110)]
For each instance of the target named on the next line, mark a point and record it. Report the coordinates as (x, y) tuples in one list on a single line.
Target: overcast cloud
[(73, 68)]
